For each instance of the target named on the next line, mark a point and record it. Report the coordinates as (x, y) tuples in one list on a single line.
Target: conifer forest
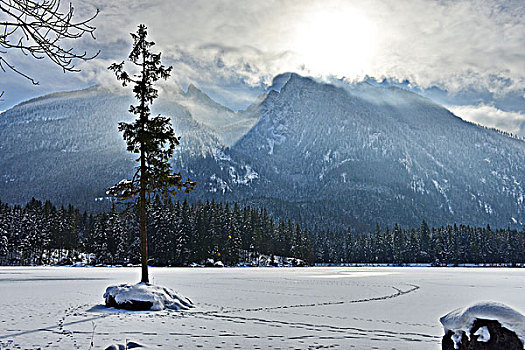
[(182, 234)]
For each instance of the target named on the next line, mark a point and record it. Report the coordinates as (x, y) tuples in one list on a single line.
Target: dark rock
[(116, 347), (65, 262), (500, 338), (446, 342), (297, 262), (132, 345), (129, 345), (133, 305)]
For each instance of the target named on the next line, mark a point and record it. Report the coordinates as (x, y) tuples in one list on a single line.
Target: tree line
[(181, 233), (446, 245)]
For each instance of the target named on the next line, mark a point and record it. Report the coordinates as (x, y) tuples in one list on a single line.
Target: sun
[(334, 41)]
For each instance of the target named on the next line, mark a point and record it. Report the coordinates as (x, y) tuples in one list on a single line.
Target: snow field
[(248, 308)]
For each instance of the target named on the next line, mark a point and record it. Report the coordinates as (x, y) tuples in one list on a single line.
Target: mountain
[(66, 147), (328, 155), (230, 126), (367, 154), (386, 151)]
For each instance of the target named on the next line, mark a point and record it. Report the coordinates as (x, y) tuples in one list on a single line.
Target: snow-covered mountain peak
[(387, 142), (279, 81), (225, 123), (296, 81), (195, 92)]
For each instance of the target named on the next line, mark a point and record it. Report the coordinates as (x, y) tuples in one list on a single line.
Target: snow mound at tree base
[(145, 296), (487, 326)]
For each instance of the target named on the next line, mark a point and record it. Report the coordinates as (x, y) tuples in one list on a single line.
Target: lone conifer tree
[(152, 138)]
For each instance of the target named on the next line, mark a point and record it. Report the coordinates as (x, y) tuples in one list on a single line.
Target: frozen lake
[(248, 308)]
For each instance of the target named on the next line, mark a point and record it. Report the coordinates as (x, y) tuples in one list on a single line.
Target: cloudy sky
[(466, 55)]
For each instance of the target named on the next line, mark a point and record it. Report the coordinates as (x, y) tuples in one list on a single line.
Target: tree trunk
[(143, 232)]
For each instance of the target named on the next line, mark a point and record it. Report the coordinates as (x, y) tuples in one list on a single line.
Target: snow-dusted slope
[(378, 153), (66, 147)]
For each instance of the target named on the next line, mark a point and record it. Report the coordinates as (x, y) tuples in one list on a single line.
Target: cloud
[(453, 44), (513, 122)]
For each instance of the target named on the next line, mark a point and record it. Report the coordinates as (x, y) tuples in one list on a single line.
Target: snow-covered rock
[(145, 296), (128, 345), (212, 263), (484, 322), (483, 334)]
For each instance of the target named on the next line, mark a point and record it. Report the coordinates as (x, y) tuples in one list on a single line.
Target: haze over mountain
[(325, 155), (66, 147)]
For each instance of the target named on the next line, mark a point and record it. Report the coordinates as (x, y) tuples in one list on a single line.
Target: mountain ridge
[(280, 118), (322, 154)]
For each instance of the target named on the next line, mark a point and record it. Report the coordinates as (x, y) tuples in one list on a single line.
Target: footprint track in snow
[(335, 332), (398, 293)]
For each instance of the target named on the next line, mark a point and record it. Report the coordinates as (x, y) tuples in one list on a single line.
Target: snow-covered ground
[(248, 308)]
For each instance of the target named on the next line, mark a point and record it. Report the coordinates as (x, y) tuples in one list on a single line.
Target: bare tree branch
[(38, 29)]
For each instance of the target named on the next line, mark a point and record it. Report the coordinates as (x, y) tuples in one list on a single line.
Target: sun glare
[(335, 42)]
